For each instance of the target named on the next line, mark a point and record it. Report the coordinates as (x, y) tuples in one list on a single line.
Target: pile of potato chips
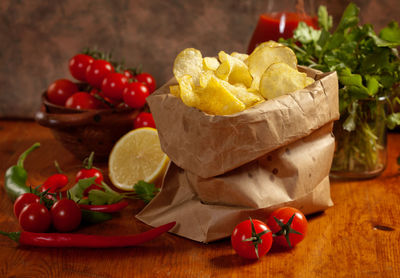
[(231, 83)]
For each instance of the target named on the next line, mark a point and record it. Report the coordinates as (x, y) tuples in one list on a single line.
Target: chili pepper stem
[(21, 159), (12, 235)]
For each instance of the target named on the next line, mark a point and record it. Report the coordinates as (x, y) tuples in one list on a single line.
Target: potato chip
[(189, 61), (233, 70), (266, 54), (215, 99), (280, 79), (210, 63), (240, 56), (186, 87), (174, 90), (249, 98)]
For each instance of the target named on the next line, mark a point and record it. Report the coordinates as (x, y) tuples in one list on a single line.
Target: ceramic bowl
[(85, 131)]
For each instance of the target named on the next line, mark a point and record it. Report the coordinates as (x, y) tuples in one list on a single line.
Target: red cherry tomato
[(148, 80), (78, 65), (97, 71), (60, 90), (66, 215), (113, 85), (249, 243), (128, 74), (35, 217), (23, 200), (144, 119), (88, 173), (135, 94), (289, 226), (83, 100)]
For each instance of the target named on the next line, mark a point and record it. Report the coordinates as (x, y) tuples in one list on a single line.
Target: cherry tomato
[(289, 226), (83, 100), (128, 74), (135, 94), (66, 215), (97, 71), (60, 90), (23, 200), (144, 119), (251, 239), (148, 80), (78, 65), (88, 173), (113, 85), (35, 217)]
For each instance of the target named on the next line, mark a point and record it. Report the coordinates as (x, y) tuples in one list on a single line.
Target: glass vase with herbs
[(368, 68)]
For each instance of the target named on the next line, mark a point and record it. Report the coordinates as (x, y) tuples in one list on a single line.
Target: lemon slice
[(137, 156)]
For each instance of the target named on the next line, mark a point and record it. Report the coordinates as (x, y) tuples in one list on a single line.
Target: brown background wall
[(37, 38)]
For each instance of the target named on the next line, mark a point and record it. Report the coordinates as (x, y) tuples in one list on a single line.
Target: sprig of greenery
[(368, 68)]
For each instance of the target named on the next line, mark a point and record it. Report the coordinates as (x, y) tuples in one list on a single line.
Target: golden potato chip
[(188, 62), (215, 99), (210, 63), (265, 55), (280, 79), (249, 98), (186, 87), (174, 90), (233, 70), (240, 56)]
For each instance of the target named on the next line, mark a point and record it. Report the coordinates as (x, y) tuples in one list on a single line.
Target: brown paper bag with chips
[(226, 168)]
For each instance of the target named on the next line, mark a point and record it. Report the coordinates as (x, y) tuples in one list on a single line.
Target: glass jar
[(280, 19), (361, 141)]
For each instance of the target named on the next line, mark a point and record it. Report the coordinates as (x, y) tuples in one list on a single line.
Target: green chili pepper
[(16, 176)]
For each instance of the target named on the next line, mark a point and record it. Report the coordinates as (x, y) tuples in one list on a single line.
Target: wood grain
[(358, 237)]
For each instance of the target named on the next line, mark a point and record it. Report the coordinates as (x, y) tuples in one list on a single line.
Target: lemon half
[(137, 156)]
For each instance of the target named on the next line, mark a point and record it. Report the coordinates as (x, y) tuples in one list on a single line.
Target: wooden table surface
[(358, 237)]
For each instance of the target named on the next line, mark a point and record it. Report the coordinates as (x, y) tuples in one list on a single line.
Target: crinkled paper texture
[(227, 168)]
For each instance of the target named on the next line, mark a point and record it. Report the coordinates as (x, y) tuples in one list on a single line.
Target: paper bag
[(227, 168)]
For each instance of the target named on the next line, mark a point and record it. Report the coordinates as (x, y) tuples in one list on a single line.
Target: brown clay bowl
[(85, 131)]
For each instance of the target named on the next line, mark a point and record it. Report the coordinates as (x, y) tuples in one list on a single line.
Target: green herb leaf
[(76, 192), (349, 18), (391, 33), (306, 34), (393, 120), (145, 191), (324, 19)]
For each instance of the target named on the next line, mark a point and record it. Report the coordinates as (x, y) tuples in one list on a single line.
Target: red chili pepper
[(54, 183), (82, 240), (105, 208)]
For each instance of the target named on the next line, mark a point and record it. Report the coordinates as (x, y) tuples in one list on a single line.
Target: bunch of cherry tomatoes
[(103, 84), (38, 212), (253, 238)]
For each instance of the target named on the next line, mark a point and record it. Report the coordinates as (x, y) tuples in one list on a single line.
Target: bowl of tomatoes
[(105, 101)]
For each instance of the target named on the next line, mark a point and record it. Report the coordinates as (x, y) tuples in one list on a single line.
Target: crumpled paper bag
[(226, 168)]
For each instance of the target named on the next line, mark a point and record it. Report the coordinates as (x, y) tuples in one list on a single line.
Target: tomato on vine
[(144, 119), (135, 94), (60, 90), (23, 200), (251, 239), (83, 100), (35, 217), (97, 71), (66, 215), (113, 85), (148, 80), (78, 65), (289, 226)]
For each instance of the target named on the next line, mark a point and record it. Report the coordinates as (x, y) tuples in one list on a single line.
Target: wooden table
[(358, 237)]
